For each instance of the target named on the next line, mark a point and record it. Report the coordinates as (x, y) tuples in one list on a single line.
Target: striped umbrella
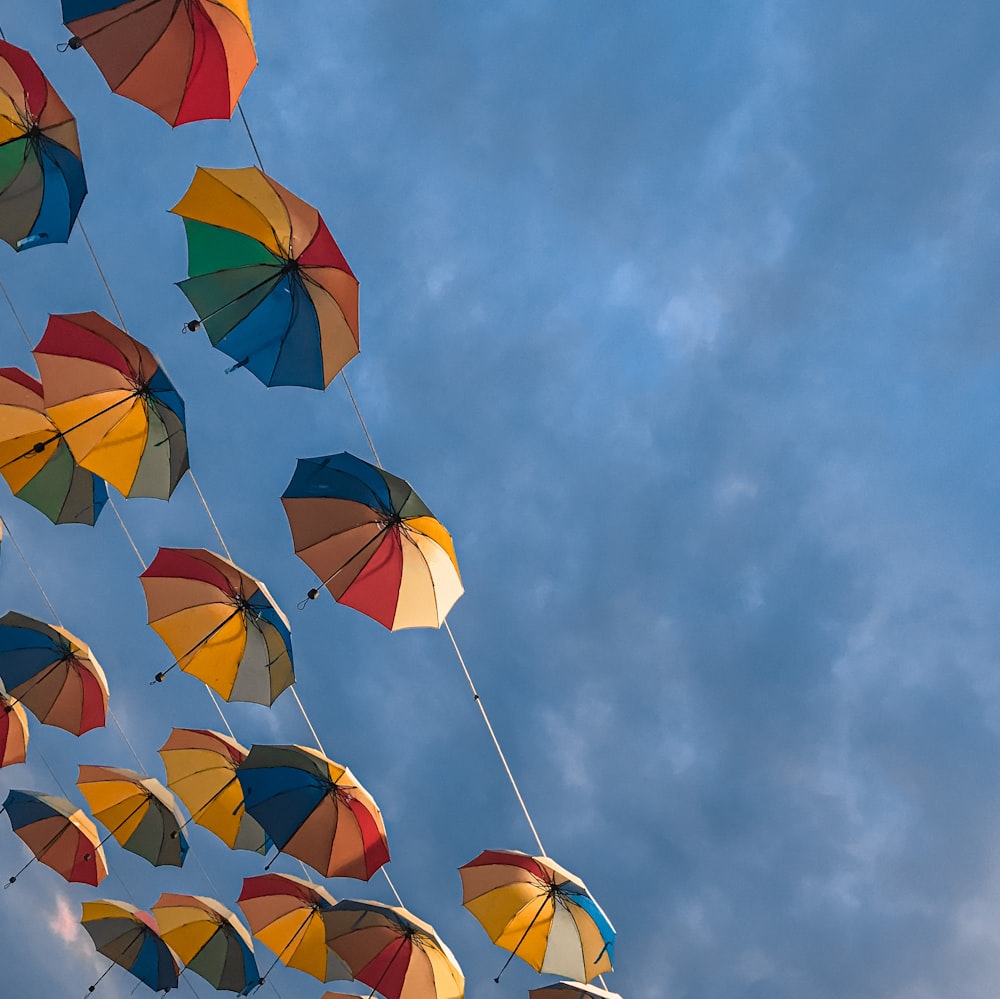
[(571, 990)]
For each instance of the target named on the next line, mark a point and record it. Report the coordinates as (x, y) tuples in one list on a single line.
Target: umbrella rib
[(38, 856), (305, 923), (385, 971), (35, 681), (242, 294), (313, 593), (194, 648), (127, 14), (541, 909)]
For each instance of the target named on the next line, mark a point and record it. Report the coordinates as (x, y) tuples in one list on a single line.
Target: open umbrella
[(571, 990), (220, 623), (315, 810), (114, 405), (209, 940), (371, 540), (539, 911), (13, 732), (267, 279), (138, 811), (201, 771), (59, 834), (393, 951), (52, 673), (131, 939), (288, 915), (35, 460), (41, 173), (187, 60)]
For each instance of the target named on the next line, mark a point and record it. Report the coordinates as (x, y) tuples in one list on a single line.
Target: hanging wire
[(17, 318)]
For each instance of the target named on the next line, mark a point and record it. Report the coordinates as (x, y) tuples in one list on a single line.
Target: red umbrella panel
[(13, 732)]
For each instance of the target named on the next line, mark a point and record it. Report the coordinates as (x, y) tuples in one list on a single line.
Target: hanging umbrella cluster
[(42, 184)]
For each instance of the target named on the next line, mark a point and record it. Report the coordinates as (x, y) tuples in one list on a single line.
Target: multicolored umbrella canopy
[(52, 673), (130, 937), (187, 60), (315, 810), (288, 915), (201, 771), (267, 279), (394, 952), (571, 990), (371, 540), (539, 911), (59, 834), (41, 172), (35, 460), (209, 940), (13, 732), (138, 811), (114, 405), (220, 623)]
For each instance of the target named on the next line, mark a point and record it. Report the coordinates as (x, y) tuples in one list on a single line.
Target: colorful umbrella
[(35, 460), (372, 541), (114, 405), (52, 673), (59, 834), (315, 810), (41, 174), (221, 624), (267, 279), (138, 811), (209, 940), (131, 938), (13, 732), (571, 990), (388, 948), (187, 60), (201, 771), (289, 915), (539, 911)]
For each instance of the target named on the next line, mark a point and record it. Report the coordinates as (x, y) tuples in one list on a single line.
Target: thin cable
[(218, 533), (361, 419), (31, 572), (17, 318), (218, 707), (121, 731), (319, 745), (493, 736), (246, 125), (100, 270), (391, 885), (114, 510)]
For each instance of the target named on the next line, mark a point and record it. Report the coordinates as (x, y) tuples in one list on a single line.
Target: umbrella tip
[(191, 327)]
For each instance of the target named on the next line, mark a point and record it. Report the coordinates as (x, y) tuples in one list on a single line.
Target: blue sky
[(683, 319)]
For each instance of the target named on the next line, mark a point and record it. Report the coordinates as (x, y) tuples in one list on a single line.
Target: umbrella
[(35, 460), (315, 810), (221, 624), (572, 990), (59, 834), (539, 911), (13, 732), (209, 940), (131, 938), (393, 951), (372, 541), (138, 811), (289, 915), (201, 771), (187, 61), (52, 673), (267, 279), (41, 174), (114, 405)]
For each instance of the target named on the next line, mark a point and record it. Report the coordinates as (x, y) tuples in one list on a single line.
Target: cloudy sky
[(681, 318)]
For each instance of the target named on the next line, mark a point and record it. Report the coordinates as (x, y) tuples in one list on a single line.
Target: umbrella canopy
[(571, 990), (315, 810), (35, 460), (267, 279), (187, 60), (393, 951), (41, 172), (114, 405), (209, 940), (201, 771), (13, 732), (371, 540), (138, 811), (59, 834), (288, 915), (539, 911), (52, 673), (220, 623), (131, 938)]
